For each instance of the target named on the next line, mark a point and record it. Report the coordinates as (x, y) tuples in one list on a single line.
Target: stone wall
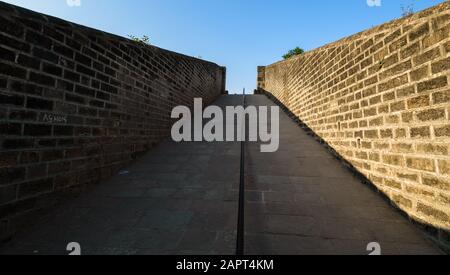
[(381, 99), (77, 104)]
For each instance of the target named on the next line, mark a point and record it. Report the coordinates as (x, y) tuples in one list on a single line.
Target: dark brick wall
[(77, 104)]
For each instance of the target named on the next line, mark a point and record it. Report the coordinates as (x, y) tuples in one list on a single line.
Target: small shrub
[(294, 52), (144, 40), (407, 10)]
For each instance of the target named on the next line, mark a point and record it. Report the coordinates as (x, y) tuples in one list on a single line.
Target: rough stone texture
[(380, 99), (76, 104)]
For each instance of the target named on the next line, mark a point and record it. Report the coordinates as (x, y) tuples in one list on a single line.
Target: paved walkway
[(182, 199), (301, 200)]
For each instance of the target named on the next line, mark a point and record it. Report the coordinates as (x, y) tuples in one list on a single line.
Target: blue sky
[(238, 34)]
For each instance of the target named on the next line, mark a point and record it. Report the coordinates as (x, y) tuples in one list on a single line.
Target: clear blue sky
[(238, 34)]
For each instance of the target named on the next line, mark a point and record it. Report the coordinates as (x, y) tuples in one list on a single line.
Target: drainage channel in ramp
[(240, 242)]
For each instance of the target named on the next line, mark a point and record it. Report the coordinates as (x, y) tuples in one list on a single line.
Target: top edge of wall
[(13, 9), (393, 24)]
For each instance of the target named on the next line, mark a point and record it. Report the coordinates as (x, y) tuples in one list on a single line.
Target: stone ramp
[(183, 199), (301, 200)]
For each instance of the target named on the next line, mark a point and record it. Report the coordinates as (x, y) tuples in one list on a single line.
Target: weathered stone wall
[(77, 104), (381, 99)]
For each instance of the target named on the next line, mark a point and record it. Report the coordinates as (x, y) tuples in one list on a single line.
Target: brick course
[(77, 104), (381, 100)]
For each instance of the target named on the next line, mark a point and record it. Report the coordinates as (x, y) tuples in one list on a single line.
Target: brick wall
[(77, 104), (381, 99)]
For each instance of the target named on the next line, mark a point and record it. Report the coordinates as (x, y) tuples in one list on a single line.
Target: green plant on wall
[(144, 40), (293, 52), (407, 10)]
